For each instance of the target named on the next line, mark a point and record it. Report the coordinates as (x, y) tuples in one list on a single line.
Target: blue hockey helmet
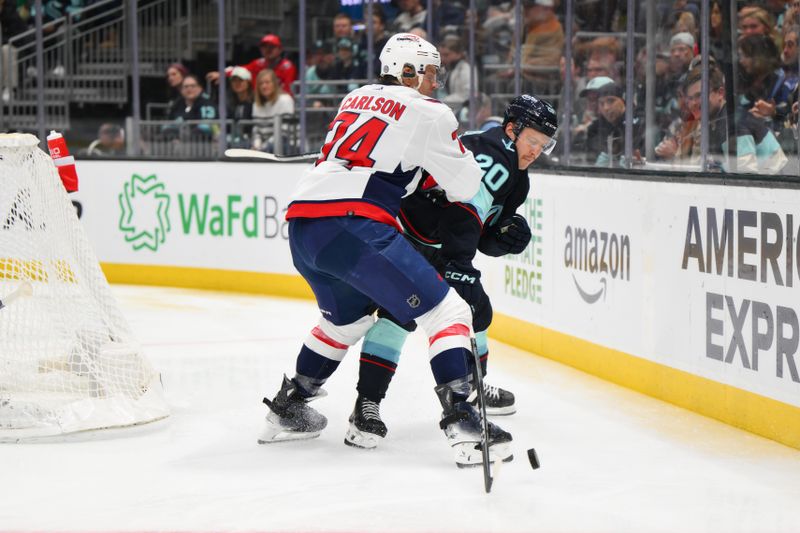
[(528, 111)]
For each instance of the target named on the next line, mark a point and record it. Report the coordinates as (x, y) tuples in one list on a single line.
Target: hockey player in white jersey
[(346, 242)]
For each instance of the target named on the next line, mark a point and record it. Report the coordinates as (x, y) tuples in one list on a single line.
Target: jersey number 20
[(356, 146)]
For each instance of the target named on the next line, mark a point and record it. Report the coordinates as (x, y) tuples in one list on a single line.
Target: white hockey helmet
[(406, 48)]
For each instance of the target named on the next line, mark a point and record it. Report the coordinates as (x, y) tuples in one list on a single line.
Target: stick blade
[(237, 153)]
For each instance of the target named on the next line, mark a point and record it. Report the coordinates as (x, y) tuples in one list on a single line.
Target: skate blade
[(361, 439), (271, 437), (501, 411), (274, 432), (468, 454)]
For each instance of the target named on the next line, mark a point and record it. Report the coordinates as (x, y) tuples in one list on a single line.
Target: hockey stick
[(256, 154), (25, 289), (487, 467)]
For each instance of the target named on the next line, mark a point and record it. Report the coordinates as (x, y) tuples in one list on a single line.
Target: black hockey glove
[(466, 280), (509, 236)]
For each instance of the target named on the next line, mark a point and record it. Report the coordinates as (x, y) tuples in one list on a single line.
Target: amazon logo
[(594, 257)]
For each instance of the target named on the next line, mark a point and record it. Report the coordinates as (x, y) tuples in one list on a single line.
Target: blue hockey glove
[(509, 236)]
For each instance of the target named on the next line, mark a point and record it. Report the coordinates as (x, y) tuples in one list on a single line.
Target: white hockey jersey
[(382, 138)]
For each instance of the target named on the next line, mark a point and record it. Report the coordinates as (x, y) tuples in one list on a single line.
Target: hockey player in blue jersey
[(449, 234), (346, 242)]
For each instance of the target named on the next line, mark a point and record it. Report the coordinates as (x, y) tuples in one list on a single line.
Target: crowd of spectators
[(752, 97)]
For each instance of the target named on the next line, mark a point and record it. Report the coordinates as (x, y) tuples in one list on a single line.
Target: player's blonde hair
[(276, 83)]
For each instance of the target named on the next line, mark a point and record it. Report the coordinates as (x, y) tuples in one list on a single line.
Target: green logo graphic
[(523, 272), (144, 212)]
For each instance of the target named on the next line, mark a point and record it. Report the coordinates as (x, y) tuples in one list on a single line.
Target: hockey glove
[(509, 236), (466, 280)]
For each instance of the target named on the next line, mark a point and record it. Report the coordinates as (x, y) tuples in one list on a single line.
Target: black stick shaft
[(487, 467)]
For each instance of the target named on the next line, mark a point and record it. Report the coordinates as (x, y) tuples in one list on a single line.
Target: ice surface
[(612, 460)]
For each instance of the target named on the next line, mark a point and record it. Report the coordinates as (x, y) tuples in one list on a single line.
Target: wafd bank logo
[(148, 212), (594, 256), (144, 212)]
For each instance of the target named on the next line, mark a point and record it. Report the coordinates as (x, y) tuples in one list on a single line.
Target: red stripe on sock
[(455, 329), (320, 335), (376, 363)]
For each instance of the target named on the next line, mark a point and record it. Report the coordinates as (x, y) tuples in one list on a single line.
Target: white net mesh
[(68, 361)]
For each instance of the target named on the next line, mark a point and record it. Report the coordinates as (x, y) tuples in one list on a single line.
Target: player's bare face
[(530, 144)]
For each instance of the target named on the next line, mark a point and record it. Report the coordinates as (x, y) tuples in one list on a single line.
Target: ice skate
[(366, 427), (461, 424), (290, 417), (499, 402)]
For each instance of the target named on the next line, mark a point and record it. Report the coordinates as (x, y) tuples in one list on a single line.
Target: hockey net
[(68, 360)]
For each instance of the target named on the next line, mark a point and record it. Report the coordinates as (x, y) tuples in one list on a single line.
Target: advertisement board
[(201, 215), (700, 278), (687, 292)]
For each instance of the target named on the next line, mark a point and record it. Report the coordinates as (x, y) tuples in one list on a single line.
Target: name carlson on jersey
[(387, 106)]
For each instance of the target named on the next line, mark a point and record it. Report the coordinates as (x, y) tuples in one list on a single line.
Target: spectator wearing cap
[(605, 136), (412, 15), (272, 58), (240, 105), (589, 96), (347, 66), (322, 71), (586, 110), (681, 52)]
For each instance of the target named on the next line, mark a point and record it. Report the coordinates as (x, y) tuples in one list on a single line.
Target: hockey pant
[(354, 265)]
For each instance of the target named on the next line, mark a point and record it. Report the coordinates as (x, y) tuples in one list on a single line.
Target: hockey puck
[(533, 458)]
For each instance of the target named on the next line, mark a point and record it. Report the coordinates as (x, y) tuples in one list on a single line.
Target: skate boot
[(461, 423), (290, 417), (366, 427), (498, 401)]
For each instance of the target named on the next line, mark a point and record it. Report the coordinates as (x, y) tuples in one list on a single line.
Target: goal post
[(68, 360)]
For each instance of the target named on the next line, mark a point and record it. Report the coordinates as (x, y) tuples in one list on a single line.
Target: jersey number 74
[(356, 146)]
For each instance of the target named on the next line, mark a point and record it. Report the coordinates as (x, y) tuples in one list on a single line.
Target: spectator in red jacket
[(272, 58)]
